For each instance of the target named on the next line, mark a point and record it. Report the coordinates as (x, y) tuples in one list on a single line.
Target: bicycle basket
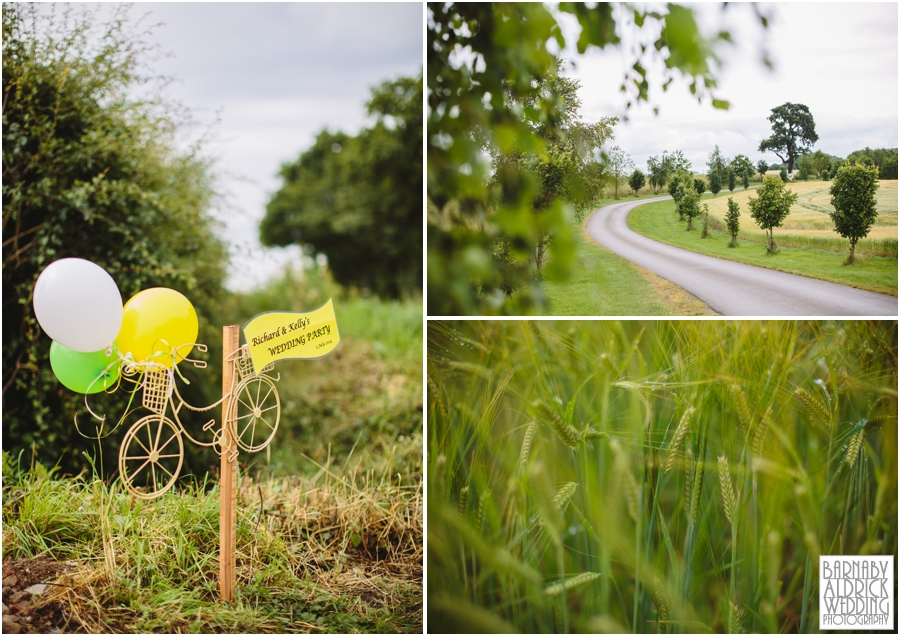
[(245, 364), (156, 390)]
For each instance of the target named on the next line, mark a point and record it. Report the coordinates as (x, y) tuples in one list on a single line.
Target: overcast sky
[(276, 74), (840, 60)]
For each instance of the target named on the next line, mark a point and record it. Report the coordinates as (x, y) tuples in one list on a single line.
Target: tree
[(715, 182), (358, 200), (718, 165), (662, 169), (689, 204), (733, 221), (853, 199), (819, 161), (743, 167), (732, 179), (783, 175), (885, 159), (511, 49), (92, 168), (793, 133), (771, 207), (699, 185), (681, 182), (637, 180), (655, 174), (619, 164), (762, 167), (704, 233)]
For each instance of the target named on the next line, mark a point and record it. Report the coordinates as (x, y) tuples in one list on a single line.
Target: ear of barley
[(440, 471), (606, 364), (762, 430), (625, 482), (854, 446), (742, 406), (815, 406), (659, 599), (735, 617), (631, 495), (566, 433), (593, 433), (526, 446), (695, 489), (482, 505), (463, 502), (436, 397), (688, 480), (564, 495), (681, 431), (729, 501), (568, 584)]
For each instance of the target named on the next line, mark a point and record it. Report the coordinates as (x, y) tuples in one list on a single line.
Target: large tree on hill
[(358, 200), (793, 133), (853, 199)]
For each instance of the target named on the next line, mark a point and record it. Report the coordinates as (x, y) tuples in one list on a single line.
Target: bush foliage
[(91, 170)]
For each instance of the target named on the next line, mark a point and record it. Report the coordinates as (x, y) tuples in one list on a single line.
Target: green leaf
[(721, 104)]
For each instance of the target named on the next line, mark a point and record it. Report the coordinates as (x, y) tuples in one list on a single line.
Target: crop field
[(654, 477), (808, 224)]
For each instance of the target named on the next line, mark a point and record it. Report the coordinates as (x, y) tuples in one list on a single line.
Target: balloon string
[(129, 367)]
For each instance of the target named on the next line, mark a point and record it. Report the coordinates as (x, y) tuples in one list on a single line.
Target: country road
[(730, 288)]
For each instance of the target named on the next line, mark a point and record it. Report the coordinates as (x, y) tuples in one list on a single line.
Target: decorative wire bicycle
[(152, 451)]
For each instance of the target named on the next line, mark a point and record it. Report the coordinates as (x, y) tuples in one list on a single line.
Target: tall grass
[(658, 477)]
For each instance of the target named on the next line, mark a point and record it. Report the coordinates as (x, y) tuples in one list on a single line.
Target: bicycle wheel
[(254, 411), (150, 457)]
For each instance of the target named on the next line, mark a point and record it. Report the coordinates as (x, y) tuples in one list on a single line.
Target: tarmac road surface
[(730, 288)]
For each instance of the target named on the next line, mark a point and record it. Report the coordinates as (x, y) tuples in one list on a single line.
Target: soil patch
[(24, 580)]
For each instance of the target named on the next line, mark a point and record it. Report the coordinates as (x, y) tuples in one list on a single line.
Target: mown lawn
[(605, 284), (873, 273)]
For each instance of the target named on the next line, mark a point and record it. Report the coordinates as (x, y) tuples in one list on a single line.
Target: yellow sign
[(281, 335)]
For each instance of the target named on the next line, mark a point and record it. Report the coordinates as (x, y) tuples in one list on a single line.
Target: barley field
[(653, 477), (809, 225)]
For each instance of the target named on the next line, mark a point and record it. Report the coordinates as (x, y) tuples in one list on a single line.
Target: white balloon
[(78, 304)]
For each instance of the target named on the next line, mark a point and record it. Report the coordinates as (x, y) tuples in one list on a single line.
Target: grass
[(605, 284), (338, 552), (873, 273), (534, 527)]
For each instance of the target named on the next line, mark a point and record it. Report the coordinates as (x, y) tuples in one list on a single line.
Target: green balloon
[(78, 371)]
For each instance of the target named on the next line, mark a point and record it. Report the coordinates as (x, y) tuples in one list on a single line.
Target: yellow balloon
[(157, 324)]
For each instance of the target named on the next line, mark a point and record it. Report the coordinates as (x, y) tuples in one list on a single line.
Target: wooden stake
[(228, 472)]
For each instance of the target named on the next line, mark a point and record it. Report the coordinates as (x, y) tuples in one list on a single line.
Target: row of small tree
[(852, 197)]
